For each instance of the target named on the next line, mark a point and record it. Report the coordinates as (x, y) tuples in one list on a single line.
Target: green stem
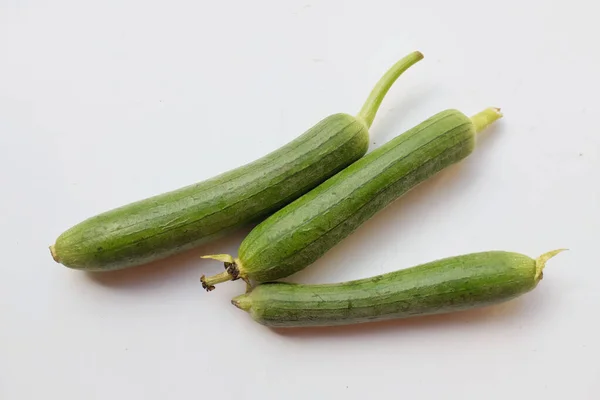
[(369, 109), (210, 282), (485, 118)]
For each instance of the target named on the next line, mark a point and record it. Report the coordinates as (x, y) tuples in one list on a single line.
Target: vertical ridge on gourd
[(442, 286), (300, 233), (172, 222)]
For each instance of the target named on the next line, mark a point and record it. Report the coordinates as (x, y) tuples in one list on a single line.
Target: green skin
[(442, 286), (176, 221), (300, 233)]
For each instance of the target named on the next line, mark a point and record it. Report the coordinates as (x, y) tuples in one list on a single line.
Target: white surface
[(103, 103)]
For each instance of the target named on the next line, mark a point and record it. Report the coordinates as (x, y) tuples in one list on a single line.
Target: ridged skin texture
[(172, 222), (442, 286), (303, 231)]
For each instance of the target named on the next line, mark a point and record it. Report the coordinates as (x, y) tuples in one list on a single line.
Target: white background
[(107, 102)]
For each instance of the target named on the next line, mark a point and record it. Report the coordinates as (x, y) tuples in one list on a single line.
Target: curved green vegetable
[(442, 286), (303, 231), (172, 222)]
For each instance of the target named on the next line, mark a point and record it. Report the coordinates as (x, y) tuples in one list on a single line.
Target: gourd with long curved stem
[(172, 222)]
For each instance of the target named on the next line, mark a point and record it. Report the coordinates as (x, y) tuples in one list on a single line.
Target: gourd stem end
[(540, 262), (369, 109), (232, 272), (210, 282), (485, 118)]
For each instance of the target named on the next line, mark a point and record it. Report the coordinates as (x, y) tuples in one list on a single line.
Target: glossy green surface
[(442, 286), (303, 231)]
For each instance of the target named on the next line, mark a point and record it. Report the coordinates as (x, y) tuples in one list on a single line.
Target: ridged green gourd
[(443, 286), (176, 221), (300, 233)]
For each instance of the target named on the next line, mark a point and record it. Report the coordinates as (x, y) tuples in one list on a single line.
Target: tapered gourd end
[(541, 261), (53, 253), (485, 118), (243, 302)]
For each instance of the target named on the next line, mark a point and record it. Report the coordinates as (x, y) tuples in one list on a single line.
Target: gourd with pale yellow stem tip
[(300, 233), (172, 222), (442, 286)]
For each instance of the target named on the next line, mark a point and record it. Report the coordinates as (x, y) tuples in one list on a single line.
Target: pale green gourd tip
[(243, 302), (541, 261), (485, 118), (53, 253), (369, 109)]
